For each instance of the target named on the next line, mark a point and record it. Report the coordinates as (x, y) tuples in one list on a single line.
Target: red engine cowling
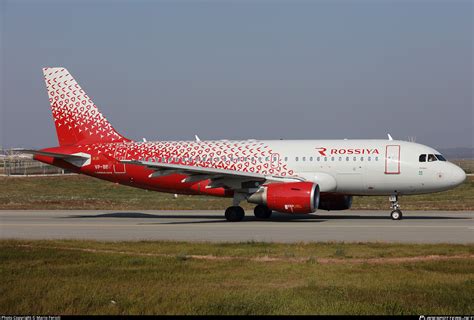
[(289, 197)]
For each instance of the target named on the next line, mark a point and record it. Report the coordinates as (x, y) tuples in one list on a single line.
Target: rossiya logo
[(323, 151)]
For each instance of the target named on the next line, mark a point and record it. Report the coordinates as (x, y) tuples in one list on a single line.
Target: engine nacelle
[(335, 202), (290, 197)]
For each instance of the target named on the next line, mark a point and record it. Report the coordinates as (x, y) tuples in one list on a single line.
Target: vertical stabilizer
[(76, 117)]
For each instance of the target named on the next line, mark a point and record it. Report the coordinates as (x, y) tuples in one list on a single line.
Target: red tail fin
[(76, 117)]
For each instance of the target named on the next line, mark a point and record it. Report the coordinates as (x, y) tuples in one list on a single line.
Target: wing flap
[(219, 177), (169, 168)]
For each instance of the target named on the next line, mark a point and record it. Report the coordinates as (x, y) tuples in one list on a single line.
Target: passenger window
[(310, 158), (296, 158), (431, 158), (422, 158), (318, 158), (325, 158), (303, 159), (286, 159), (340, 158), (347, 158), (369, 158), (355, 158)]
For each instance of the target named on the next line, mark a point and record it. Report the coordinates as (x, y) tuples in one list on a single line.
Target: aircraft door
[(275, 160), (120, 154), (392, 159)]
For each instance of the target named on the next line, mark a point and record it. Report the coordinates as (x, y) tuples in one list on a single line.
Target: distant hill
[(457, 153)]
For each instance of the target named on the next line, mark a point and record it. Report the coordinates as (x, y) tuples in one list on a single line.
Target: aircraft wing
[(219, 177)]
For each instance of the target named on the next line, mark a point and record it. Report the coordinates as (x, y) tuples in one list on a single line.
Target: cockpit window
[(440, 157), (422, 158), (431, 158)]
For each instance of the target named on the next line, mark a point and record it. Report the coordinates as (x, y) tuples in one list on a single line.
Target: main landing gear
[(235, 213), (396, 213), (262, 212)]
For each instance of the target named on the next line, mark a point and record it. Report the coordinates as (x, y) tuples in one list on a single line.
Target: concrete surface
[(350, 226)]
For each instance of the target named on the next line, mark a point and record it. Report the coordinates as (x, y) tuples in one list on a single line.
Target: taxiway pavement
[(349, 226)]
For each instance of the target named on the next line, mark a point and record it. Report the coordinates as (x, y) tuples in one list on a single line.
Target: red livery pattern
[(83, 131), (76, 117), (244, 156), (79, 122)]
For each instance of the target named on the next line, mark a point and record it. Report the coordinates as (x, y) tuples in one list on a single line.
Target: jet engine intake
[(335, 202)]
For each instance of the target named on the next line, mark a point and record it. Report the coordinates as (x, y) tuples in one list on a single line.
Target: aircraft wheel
[(396, 215), (262, 212), (234, 213)]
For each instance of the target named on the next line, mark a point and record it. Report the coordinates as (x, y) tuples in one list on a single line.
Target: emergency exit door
[(392, 159)]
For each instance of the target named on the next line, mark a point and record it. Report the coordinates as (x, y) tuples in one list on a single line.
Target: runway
[(349, 226)]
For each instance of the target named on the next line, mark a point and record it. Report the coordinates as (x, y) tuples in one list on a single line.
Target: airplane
[(287, 176)]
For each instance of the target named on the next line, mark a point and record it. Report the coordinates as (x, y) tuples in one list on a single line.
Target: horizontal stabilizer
[(78, 159)]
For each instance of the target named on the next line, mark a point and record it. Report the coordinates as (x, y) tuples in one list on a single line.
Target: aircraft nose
[(457, 175)]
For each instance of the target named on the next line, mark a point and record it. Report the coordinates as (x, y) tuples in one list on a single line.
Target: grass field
[(82, 192), (67, 277)]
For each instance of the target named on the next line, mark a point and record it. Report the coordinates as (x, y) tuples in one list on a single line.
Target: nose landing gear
[(396, 213)]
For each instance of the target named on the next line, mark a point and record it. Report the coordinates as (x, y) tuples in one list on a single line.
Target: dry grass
[(45, 277), (82, 192)]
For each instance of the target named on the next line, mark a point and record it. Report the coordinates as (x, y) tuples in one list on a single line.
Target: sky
[(167, 70)]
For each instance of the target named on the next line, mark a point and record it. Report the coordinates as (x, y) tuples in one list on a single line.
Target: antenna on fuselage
[(197, 138), (144, 140), (389, 137)]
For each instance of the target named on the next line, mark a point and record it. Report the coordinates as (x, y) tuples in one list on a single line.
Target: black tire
[(262, 212), (234, 213), (396, 215)]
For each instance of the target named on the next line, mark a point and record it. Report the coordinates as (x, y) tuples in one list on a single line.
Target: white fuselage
[(367, 167)]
